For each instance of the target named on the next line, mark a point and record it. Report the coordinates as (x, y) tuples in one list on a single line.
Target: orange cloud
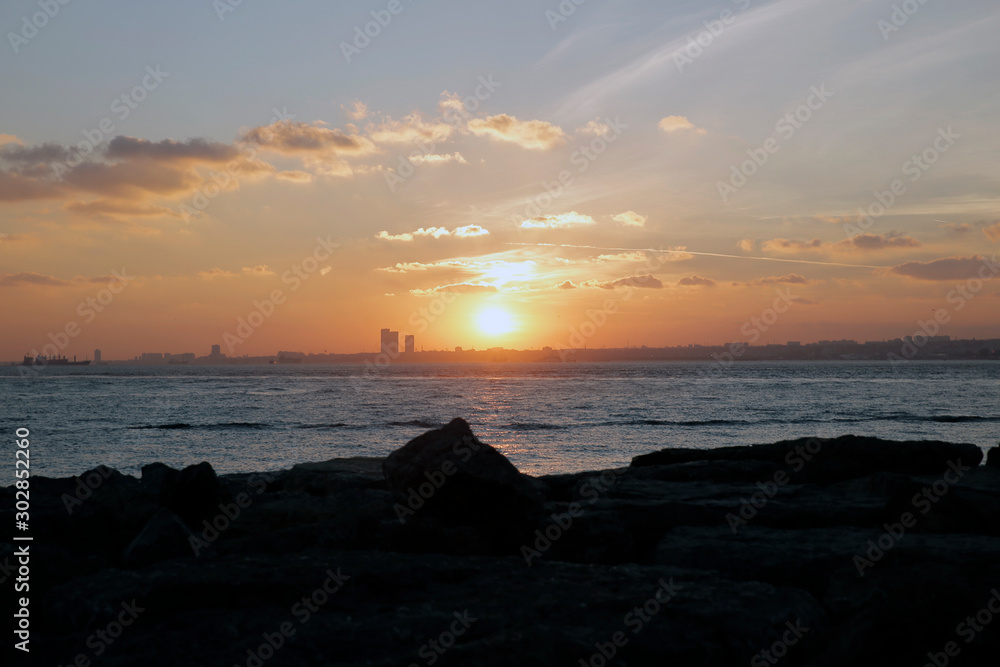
[(559, 221), (993, 231), (529, 134), (408, 130), (672, 124), (949, 268), (117, 209), (696, 281), (860, 243), (630, 219)]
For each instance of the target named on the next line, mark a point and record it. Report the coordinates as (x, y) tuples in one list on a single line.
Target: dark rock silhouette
[(194, 494), (459, 474), (993, 459), (154, 474), (831, 460), (600, 543), (163, 537)]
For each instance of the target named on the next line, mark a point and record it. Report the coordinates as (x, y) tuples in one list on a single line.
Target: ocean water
[(546, 417)]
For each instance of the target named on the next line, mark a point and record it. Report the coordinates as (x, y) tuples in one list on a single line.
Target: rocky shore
[(849, 551)]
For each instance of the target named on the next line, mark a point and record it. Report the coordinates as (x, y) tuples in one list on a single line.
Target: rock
[(194, 494), (993, 457), (450, 471), (164, 536), (825, 461), (816, 556), (335, 476), (154, 474)]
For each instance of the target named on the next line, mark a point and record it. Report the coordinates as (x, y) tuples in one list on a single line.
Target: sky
[(298, 175)]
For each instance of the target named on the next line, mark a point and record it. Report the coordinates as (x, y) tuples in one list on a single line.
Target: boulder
[(993, 457), (826, 461), (449, 472), (154, 474), (194, 493), (163, 537)]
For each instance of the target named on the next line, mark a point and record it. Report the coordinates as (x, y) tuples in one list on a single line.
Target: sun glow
[(495, 321)]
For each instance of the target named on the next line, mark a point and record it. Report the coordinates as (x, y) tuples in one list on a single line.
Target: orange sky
[(641, 195)]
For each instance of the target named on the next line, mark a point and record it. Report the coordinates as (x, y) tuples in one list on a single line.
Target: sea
[(545, 417)]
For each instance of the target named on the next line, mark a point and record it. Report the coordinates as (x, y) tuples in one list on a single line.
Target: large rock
[(826, 461), (993, 458), (155, 474), (163, 537), (194, 494), (448, 471)]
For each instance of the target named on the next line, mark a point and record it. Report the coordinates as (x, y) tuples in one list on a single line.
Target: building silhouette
[(97, 357), (389, 342), (216, 351), (409, 344)]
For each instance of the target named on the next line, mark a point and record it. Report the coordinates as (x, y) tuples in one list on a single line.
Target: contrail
[(707, 254)]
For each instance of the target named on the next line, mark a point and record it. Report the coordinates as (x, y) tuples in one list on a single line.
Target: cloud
[(294, 176), (31, 278), (408, 130), (469, 231), (168, 150), (788, 245), (879, 242), (955, 229), (833, 219), (993, 231), (43, 280), (320, 148), (594, 127), (261, 270), (646, 282), (459, 288), (746, 245), (638, 256), (568, 284), (117, 209), (357, 111), (386, 236), (559, 221), (529, 134), (696, 281), (948, 268), (860, 243), (630, 219), (672, 124), (130, 180), (466, 232), (15, 187), (9, 139), (17, 153), (790, 279), (437, 159), (216, 273)]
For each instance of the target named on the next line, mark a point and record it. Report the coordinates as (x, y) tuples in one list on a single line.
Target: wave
[(420, 423), (522, 426), (224, 425)]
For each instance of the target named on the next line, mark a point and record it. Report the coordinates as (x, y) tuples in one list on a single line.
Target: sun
[(495, 321)]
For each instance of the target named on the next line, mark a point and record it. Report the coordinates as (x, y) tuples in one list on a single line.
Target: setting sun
[(495, 321)]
